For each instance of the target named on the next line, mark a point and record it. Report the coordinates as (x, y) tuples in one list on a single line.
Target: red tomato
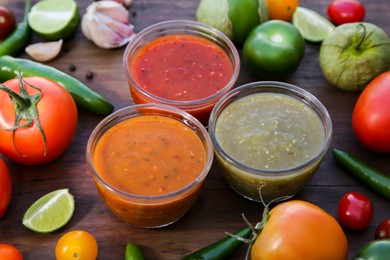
[(383, 229), (371, 115), (300, 230), (5, 188), (7, 22), (355, 211), (346, 11), (9, 252), (55, 112)]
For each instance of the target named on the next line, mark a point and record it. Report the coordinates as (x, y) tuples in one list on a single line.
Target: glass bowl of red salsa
[(269, 138), (149, 162), (185, 64)]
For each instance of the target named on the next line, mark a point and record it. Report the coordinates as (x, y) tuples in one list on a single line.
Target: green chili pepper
[(19, 38), (133, 252), (84, 97), (221, 249), (373, 178), (374, 250)]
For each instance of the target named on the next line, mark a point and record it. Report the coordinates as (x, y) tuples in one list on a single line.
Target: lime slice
[(50, 212), (54, 19), (313, 26)]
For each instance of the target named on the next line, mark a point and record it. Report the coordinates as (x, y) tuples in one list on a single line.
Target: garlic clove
[(113, 10), (107, 24), (44, 51), (126, 3)]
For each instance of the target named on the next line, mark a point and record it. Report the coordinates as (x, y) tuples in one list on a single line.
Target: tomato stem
[(25, 109)]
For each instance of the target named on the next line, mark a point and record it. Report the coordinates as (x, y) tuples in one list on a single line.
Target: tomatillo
[(273, 49), (374, 250)]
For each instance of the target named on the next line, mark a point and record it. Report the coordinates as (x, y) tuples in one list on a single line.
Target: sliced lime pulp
[(50, 212), (54, 19), (313, 26)]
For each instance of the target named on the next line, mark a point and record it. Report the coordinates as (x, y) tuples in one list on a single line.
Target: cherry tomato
[(5, 188), (383, 229), (346, 11), (9, 252), (300, 230), (371, 115), (281, 9), (53, 125), (77, 244), (355, 210), (7, 22)]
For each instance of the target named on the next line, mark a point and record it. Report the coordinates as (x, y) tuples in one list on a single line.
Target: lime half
[(54, 19), (313, 26), (50, 212)]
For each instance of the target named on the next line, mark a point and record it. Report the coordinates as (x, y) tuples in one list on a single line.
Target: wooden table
[(218, 208)]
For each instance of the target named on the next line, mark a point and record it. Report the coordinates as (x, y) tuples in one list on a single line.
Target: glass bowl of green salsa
[(269, 138), (185, 64)]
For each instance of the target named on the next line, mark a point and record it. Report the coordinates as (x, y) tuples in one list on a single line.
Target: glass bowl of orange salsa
[(185, 64), (149, 162), (269, 139)]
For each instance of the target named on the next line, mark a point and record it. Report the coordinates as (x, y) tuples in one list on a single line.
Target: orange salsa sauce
[(149, 155), (181, 67)]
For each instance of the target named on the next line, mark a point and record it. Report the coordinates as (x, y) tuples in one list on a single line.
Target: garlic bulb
[(107, 24)]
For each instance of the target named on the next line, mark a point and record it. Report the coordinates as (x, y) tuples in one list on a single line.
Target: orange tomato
[(300, 230), (282, 9), (77, 244)]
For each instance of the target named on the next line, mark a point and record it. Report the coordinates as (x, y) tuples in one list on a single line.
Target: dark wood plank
[(218, 209)]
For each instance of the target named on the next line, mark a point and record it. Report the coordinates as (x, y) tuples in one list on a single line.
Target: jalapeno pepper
[(19, 38), (84, 97), (373, 178), (220, 249)]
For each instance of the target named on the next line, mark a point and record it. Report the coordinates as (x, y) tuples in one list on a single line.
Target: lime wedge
[(54, 19), (313, 26), (50, 212)]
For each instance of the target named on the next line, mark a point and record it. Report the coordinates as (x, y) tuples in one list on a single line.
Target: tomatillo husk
[(353, 54)]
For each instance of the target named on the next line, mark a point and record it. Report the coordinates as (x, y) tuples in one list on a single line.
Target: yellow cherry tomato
[(300, 230), (281, 9), (77, 245)]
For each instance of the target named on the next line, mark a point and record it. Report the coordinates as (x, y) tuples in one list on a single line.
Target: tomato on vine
[(383, 229), (38, 120)]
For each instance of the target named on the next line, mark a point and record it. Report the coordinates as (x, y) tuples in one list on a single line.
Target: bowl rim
[(173, 27), (272, 87), (140, 109)]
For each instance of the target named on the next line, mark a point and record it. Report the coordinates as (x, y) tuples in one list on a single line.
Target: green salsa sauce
[(273, 135), (270, 131)]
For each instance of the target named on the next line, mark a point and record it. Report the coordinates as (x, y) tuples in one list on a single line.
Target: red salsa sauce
[(181, 67)]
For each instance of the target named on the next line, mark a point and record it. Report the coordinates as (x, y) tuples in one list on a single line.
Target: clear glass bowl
[(200, 108), (275, 142), (148, 211)]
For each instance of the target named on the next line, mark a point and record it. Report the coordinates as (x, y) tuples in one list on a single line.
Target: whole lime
[(235, 18), (353, 54)]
